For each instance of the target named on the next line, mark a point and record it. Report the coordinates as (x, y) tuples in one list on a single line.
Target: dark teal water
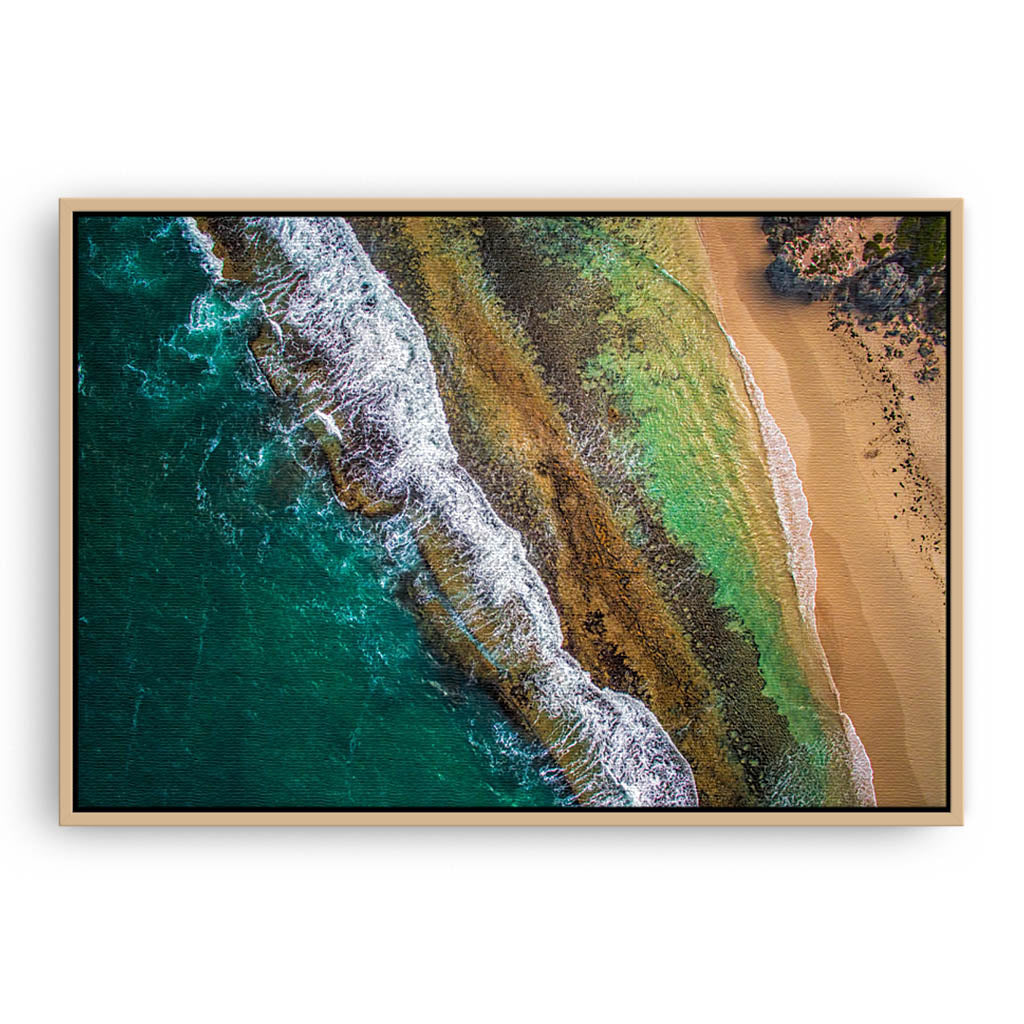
[(239, 642)]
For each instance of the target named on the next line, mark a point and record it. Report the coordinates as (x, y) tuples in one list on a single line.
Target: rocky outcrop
[(882, 276), (780, 230)]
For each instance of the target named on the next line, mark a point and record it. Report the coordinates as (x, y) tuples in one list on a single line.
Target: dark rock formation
[(884, 290), (786, 279)]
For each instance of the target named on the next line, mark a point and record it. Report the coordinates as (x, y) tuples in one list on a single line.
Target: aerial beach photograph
[(498, 510)]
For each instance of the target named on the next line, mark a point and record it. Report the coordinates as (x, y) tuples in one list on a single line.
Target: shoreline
[(880, 611)]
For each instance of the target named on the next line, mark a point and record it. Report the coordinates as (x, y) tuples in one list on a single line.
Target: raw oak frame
[(952, 814)]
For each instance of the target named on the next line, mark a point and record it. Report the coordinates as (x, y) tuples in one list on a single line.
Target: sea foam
[(794, 512), (377, 395)]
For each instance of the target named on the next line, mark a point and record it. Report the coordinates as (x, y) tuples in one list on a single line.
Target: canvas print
[(494, 510)]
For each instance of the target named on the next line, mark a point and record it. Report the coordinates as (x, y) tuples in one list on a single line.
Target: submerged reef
[(552, 413)]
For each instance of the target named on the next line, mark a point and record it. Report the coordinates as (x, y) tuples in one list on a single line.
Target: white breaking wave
[(860, 764), (202, 246), (380, 399), (794, 512)]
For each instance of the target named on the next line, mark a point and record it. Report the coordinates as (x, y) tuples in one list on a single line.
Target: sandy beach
[(881, 592)]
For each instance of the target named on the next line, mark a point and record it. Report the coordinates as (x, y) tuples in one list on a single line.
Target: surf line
[(795, 519), (374, 394)]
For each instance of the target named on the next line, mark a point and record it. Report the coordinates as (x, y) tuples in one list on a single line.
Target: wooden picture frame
[(951, 813)]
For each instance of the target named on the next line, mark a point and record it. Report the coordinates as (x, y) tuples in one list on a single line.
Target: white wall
[(870, 98)]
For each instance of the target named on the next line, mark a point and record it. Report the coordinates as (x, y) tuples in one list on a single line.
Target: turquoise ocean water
[(239, 642)]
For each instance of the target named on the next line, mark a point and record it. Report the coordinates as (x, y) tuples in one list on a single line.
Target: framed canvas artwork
[(511, 511)]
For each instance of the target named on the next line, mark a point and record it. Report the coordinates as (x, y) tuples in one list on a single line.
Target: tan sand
[(880, 603)]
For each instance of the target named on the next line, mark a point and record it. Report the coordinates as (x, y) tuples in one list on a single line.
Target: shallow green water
[(700, 464), (696, 442), (238, 639)]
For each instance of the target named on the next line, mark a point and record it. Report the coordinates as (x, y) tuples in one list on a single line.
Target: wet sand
[(880, 609)]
